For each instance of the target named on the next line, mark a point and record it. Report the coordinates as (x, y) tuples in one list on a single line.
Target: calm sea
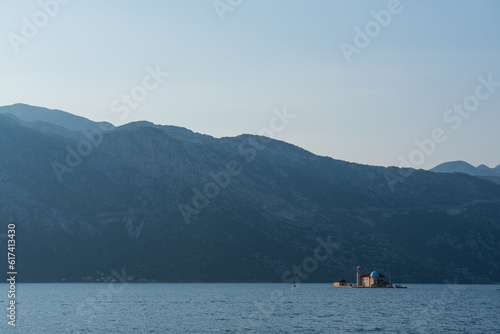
[(251, 308)]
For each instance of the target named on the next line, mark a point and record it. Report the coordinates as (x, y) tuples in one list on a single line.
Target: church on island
[(372, 280)]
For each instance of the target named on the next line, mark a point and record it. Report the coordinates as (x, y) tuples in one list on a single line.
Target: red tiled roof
[(340, 281)]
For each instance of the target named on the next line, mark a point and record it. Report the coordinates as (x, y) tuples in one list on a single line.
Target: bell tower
[(358, 276)]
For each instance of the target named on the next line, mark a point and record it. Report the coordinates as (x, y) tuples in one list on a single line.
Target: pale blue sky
[(226, 77)]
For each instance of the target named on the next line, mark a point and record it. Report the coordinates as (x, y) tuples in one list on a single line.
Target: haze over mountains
[(483, 171), (172, 205), (464, 167)]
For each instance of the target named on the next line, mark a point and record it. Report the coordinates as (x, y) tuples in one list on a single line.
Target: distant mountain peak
[(465, 167), (29, 114), (175, 132), (135, 125)]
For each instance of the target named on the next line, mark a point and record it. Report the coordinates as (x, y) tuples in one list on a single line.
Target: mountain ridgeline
[(164, 203), (482, 171)]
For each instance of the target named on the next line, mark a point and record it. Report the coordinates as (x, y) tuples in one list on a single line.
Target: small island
[(373, 280)]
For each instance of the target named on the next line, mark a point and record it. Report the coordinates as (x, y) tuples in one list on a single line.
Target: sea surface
[(250, 308)]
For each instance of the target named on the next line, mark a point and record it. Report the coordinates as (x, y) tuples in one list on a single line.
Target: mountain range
[(482, 171), (166, 204)]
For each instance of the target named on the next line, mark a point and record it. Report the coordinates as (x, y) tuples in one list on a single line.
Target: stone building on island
[(372, 280), (340, 282)]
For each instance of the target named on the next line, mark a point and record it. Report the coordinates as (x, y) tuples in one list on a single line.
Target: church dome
[(374, 274)]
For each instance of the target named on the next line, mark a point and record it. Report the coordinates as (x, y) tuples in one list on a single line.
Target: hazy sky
[(227, 76)]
